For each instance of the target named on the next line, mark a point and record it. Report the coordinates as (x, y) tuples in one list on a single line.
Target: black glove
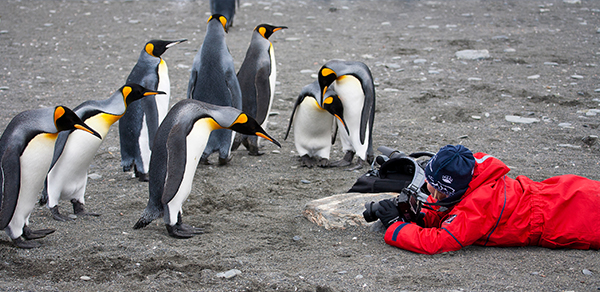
[(387, 212)]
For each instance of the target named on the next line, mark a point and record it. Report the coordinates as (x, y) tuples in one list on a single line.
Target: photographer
[(474, 202)]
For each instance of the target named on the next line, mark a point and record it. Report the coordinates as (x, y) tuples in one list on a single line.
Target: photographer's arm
[(456, 232)]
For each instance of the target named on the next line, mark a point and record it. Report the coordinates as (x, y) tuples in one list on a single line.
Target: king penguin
[(225, 8), (257, 77), (213, 80), (26, 149), (314, 126), (67, 178), (138, 126), (179, 144), (353, 83)]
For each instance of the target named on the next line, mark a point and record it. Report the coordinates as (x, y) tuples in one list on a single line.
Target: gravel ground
[(542, 64)]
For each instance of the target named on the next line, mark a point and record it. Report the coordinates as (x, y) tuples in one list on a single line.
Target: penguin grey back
[(225, 8)]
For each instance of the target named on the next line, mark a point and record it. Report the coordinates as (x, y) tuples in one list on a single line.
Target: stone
[(520, 120), (342, 210), (472, 54), (229, 274)]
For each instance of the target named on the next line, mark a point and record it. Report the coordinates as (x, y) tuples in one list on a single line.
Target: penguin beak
[(279, 28), (176, 42), (87, 128), (153, 93), (267, 137), (343, 123)]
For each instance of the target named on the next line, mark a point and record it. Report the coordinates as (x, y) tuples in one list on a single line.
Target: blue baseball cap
[(450, 171)]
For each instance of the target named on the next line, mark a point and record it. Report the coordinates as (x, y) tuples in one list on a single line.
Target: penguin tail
[(44, 198)]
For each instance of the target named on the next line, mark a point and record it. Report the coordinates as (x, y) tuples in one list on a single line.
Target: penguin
[(257, 77), (138, 126), (67, 178), (213, 80), (225, 8), (314, 126), (353, 83), (26, 148), (179, 144)]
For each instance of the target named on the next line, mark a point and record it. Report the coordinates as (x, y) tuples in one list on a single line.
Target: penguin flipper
[(176, 160), (299, 100), (263, 93), (10, 179)]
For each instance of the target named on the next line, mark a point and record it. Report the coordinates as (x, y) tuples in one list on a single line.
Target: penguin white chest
[(350, 92), (69, 173), (164, 84), (35, 162), (195, 143), (312, 129)]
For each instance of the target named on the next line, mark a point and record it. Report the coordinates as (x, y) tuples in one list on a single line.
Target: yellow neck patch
[(327, 72), (150, 49), (58, 112), (262, 31), (126, 91), (242, 119)]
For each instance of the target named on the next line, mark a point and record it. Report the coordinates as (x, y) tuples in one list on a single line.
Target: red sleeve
[(464, 225)]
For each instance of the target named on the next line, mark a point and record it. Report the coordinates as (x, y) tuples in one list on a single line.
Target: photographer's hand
[(387, 212)]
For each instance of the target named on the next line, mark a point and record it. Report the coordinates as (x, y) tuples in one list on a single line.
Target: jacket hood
[(487, 169)]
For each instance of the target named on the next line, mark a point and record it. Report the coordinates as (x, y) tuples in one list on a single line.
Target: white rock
[(576, 76), (520, 120), (229, 274), (473, 54), (94, 176), (419, 61), (85, 278), (532, 77)]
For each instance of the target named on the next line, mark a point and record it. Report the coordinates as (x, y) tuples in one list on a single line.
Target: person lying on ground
[(481, 205)]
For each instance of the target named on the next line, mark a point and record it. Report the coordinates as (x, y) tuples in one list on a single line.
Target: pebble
[(472, 54), (229, 274), (565, 125), (474, 79), (576, 76), (551, 63), (305, 181), (419, 61), (587, 272), (6, 88), (569, 146), (292, 39), (532, 77), (85, 278), (94, 176), (306, 71), (520, 120), (509, 50), (276, 151), (297, 238)]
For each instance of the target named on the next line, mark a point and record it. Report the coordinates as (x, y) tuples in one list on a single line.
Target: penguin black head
[(66, 119), (248, 126), (326, 77), (266, 30), (156, 48), (132, 92), (333, 104), (221, 19)]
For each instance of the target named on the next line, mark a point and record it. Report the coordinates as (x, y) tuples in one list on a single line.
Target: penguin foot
[(141, 223), (307, 161), (224, 161), (19, 242), (322, 162), (358, 165), (180, 230), (36, 234), (79, 209), (346, 161), (58, 216), (141, 176)]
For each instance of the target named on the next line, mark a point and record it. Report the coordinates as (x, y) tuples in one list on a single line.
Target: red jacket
[(561, 211)]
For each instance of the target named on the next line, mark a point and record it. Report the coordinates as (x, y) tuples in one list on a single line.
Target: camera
[(407, 203), (409, 200)]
